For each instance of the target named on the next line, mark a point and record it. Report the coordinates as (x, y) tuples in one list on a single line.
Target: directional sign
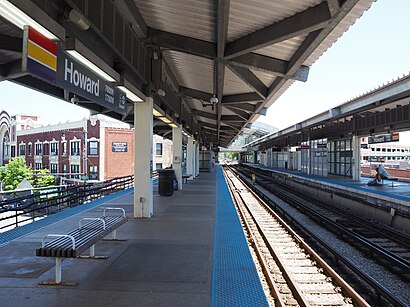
[(384, 138), (43, 58)]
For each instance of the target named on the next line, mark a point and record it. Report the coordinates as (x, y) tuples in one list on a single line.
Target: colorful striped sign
[(41, 55)]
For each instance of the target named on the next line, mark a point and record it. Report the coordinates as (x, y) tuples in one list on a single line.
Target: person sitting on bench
[(377, 179), (383, 173)]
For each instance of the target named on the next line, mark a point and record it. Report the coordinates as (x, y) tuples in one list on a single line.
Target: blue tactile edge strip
[(235, 281), (382, 193), (28, 228)]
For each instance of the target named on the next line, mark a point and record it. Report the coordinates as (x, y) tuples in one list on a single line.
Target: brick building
[(109, 150), (98, 147)]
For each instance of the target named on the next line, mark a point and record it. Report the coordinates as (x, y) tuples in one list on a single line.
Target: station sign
[(119, 147), (376, 159), (44, 59), (384, 138)]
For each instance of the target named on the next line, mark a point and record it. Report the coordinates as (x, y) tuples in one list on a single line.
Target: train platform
[(388, 203), (192, 252), (390, 189)]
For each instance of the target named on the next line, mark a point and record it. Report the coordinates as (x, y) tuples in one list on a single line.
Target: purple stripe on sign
[(40, 70)]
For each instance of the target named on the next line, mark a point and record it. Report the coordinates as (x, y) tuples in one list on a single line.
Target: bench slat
[(89, 234)]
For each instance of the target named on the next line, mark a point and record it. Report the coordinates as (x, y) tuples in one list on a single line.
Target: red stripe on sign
[(42, 41)]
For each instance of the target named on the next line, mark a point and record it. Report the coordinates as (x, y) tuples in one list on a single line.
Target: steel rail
[(379, 289), (265, 268), (302, 300)]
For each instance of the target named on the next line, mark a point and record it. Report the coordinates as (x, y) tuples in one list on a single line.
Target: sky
[(375, 50)]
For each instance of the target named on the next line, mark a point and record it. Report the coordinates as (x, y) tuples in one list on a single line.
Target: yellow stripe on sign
[(42, 55)]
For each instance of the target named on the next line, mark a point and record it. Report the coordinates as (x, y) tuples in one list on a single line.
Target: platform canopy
[(211, 66)]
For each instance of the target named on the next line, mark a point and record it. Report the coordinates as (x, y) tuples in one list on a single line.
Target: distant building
[(5, 136), (108, 153), (393, 153), (162, 152), (95, 147)]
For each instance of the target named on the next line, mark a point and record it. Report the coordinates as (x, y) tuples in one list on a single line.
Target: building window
[(54, 149), (64, 148), (38, 166), (46, 148), (93, 172), (22, 149), (64, 169), (158, 149), (39, 149), (29, 149), (75, 169), (54, 168), (158, 166), (75, 148), (93, 148)]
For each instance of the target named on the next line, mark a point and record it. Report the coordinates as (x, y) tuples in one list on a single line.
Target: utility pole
[(85, 152)]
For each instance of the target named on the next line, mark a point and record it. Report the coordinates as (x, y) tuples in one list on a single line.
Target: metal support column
[(356, 167), (177, 154), (190, 158), (143, 190), (197, 159)]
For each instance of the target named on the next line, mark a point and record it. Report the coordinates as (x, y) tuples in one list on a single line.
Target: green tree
[(42, 178), (13, 173)]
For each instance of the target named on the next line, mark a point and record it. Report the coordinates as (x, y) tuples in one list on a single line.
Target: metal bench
[(392, 180), (76, 242), (185, 177)]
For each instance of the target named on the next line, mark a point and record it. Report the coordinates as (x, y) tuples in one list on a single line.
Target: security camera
[(75, 100), (213, 99)]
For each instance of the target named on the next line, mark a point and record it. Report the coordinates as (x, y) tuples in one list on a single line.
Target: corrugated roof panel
[(227, 111), (234, 85), (249, 16), (338, 31), (194, 18), (283, 50), (266, 78), (191, 71)]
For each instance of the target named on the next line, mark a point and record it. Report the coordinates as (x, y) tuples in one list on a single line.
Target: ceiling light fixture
[(130, 95), (156, 113), (165, 119), (20, 19), (78, 56)]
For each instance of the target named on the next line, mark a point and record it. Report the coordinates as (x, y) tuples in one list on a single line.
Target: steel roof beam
[(334, 6), (11, 44), (250, 79), (312, 19), (309, 45), (241, 113), (241, 106), (242, 98), (204, 114), (269, 65), (232, 118), (236, 126), (182, 43), (130, 11), (11, 70), (195, 94), (222, 32)]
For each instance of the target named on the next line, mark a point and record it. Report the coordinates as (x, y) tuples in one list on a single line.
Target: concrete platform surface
[(166, 260)]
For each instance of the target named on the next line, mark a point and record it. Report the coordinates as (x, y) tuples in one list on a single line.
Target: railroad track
[(297, 276), (391, 247)]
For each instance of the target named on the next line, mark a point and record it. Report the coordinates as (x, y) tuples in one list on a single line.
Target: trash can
[(166, 182)]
